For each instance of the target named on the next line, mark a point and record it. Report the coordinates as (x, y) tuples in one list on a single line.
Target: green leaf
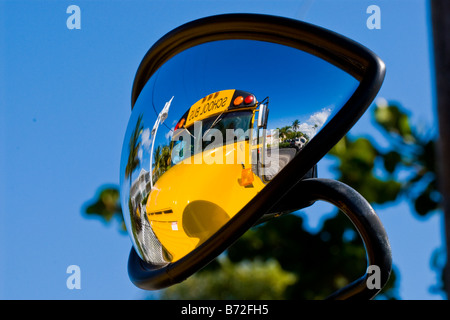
[(391, 160), (105, 205)]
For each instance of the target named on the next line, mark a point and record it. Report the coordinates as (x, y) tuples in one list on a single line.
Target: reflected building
[(139, 192), (272, 138), (149, 245)]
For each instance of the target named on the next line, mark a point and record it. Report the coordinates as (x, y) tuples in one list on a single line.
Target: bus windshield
[(229, 127)]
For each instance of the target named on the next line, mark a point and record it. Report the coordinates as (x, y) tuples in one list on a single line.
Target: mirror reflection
[(211, 128)]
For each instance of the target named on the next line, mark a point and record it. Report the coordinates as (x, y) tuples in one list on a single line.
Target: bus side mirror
[(184, 204), (263, 115)]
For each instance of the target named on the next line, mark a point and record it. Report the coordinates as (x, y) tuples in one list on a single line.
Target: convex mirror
[(228, 114)]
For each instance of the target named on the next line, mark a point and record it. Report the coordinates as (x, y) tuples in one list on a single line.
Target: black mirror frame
[(350, 56)]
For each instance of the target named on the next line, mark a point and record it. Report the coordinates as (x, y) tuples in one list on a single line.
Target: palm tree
[(134, 145), (295, 125), (157, 157), (132, 164), (283, 132), (165, 159), (162, 161)]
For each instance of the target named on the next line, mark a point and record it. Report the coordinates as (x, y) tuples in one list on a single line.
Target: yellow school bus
[(213, 172)]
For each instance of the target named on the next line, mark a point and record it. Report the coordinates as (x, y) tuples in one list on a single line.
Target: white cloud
[(169, 134), (145, 143), (320, 117), (315, 122), (145, 138)]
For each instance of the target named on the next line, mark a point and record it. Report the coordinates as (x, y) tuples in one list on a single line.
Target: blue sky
[(64, 107)]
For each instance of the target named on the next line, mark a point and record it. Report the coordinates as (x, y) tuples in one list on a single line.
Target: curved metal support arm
[(369, 226), (355, 207)]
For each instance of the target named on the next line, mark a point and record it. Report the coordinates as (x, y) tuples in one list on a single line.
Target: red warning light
[(179, 124), (249, 99)]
